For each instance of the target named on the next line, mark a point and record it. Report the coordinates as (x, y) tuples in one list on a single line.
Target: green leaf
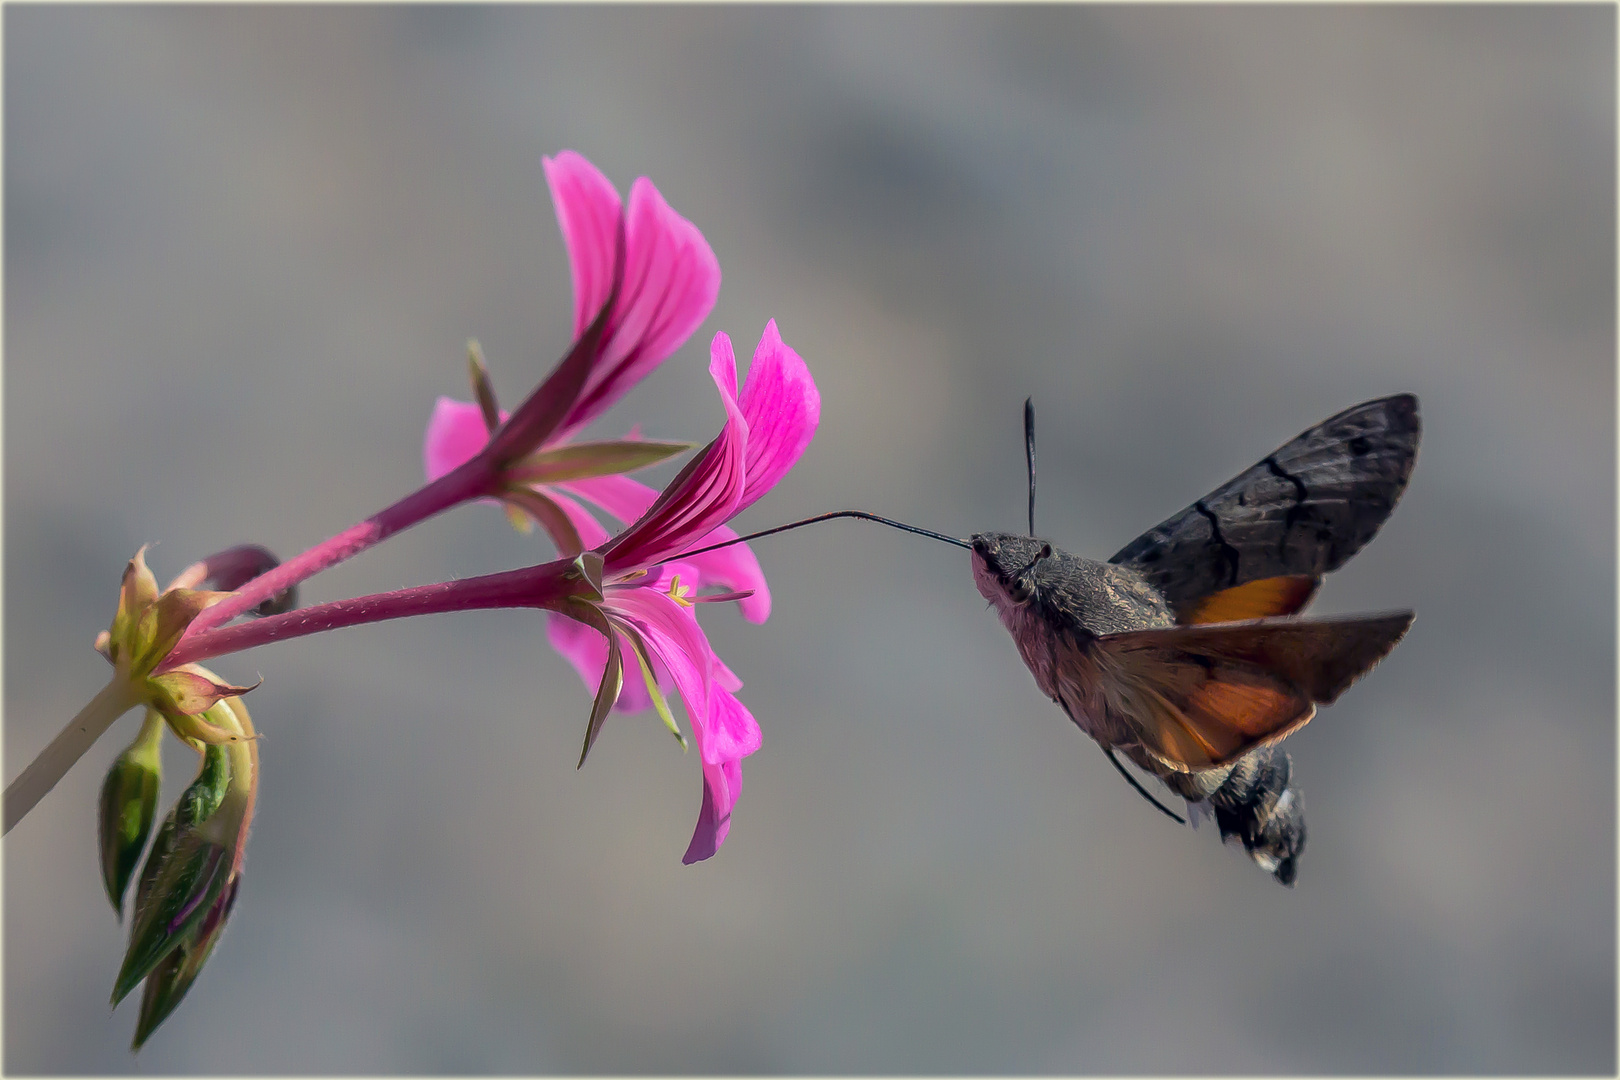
[(580, 461)]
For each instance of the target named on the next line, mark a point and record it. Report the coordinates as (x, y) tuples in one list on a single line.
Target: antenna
[(862, 514), (1029, 456)]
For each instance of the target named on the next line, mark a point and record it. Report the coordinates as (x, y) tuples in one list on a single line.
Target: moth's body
[(1058, 606), (1182, 651)]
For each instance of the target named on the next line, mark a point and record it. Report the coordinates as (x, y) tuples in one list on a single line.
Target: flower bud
[(168, 982), (188, 884), (181, 873), (128, 804)]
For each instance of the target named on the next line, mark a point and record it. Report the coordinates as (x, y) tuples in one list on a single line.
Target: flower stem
[(114, 700), (540, 586), (469, 481)]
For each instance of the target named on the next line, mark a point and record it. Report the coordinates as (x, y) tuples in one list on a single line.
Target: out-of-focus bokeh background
[(245, 248)]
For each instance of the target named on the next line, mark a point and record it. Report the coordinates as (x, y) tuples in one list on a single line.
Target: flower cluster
[(644, 280)]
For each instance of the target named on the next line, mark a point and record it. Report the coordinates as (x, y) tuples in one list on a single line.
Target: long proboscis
[(862, 514)]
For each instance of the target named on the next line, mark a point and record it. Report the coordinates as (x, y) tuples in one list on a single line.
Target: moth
[(1183, 651)]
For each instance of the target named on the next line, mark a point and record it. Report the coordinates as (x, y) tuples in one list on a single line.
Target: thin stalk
[(540, 586), (470, 481), (114, 700)]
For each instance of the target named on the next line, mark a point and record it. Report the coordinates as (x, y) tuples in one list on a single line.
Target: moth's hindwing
[(1198, 697), (1265, 597), (1301, 512)]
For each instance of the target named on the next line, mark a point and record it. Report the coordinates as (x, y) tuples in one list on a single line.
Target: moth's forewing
[(1198, 697), (1302, 511)]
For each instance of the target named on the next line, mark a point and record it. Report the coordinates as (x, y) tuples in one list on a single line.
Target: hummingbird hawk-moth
[(1183, 651)]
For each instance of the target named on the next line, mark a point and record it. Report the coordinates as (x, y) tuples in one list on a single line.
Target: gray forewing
[(1306, 508)]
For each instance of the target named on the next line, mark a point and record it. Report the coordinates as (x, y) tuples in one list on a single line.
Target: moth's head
[(1004, 567)]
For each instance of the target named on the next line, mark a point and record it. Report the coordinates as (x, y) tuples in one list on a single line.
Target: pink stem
[(541, 586), (467, 482)]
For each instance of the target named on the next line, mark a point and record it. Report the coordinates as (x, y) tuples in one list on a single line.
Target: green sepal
[(213, 727), (607, 693), (128, 806), (167, 983), (483, 389), (162, 625), (190, 690), (550, 516), (660, 703), (588, 566), (581, 461), (137, 592)]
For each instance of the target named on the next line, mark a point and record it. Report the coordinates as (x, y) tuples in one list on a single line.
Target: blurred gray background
[(245, 247)]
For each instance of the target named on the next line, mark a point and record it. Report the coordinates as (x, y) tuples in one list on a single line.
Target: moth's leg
[(1140, 790)]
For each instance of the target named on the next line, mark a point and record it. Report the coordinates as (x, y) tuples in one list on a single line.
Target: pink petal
[(782, 407), (455, 434), (733, 733), (722, 784), (671, 280), (588, 211), (624, 498), (705, 493), (724, 677), (673, 636)]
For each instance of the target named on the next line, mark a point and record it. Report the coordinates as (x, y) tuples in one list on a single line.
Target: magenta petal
[(671, 280), (698, 500), (733, 733), (455, 434), (624, 498), (673, 636), (782, 407), (724, 677), (721, 785), (588, 209)]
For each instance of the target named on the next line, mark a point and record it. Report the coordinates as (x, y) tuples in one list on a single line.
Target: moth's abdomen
[(1258, 806)]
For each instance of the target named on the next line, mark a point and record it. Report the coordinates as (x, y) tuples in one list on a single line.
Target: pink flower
[(664, 290), (648, 583)]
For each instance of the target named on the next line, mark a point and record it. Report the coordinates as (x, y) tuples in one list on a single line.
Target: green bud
[(168, 982), (184, 874), (128, 805)]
